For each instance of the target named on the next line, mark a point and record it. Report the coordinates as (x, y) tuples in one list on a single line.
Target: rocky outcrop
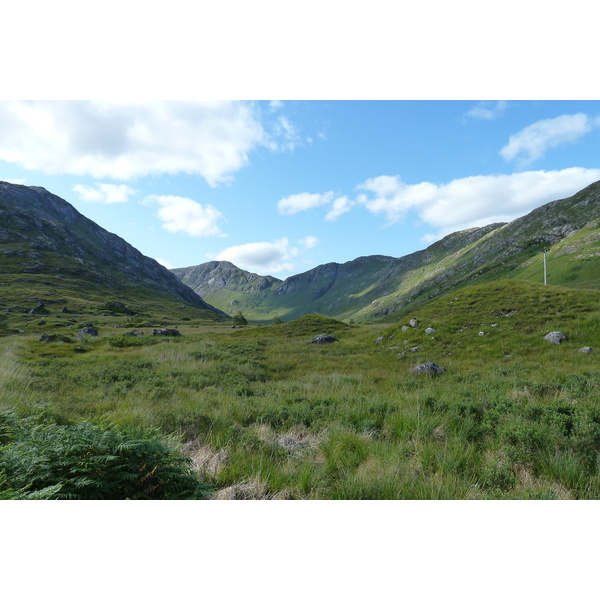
[(323, 339)]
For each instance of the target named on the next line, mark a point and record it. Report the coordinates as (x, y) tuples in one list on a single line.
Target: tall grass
[(275, 416)]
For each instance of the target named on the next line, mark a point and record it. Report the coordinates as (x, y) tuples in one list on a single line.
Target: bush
[(87, 461), (239, 320)]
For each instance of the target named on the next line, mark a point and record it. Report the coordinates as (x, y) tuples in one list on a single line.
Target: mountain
[(375, 286), (223, 284), (47, 249)]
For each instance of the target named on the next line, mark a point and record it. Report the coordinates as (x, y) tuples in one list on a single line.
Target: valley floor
[(264, 414)]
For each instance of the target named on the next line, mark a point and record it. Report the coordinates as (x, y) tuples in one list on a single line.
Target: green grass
[(263, 413)]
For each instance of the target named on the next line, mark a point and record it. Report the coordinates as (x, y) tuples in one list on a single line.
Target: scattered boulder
[(414, 349), (380, 339), (555, 337), (323, 339), (413, 323), (64, 310), (428, 368), (87, 331), (46, 338), (482, 333), (166, 332), (586, 349), (135, 332), (430, 331), (405, 328), (42, 322)]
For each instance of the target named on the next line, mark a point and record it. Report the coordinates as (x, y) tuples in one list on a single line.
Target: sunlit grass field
[(264, 414)]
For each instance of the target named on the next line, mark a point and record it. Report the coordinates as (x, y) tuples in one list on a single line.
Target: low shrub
[(88, 461)]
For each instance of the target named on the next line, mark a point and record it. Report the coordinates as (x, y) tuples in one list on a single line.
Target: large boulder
[(323, 339), (87, 331), (555, 337), (428, 368), (166, 332)]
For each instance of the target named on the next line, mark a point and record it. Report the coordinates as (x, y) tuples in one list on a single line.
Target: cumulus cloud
[(261, 257), (532, 142), (339, 207), (299, 202), (106, 193), (183, 215), (310, 241), (486, 111), (471, 201), (124, 140)]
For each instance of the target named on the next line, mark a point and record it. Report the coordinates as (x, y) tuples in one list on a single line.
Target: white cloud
[(124, 140), (183, 215), (340, 206), (533, 141), (106, 193), (486, 111), (472, 201), (164, 263), (261, 257), (299, 202), (310, 241)]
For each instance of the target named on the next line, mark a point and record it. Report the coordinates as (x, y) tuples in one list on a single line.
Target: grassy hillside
[(264, 414), (50, 252), (567, 227)]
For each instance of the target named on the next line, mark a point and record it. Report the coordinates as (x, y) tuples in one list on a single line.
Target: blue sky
[(385, 147), (279, 187)]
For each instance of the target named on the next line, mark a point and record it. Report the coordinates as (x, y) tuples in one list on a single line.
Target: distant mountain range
[(47, 248), (46, 243), (375, 286)]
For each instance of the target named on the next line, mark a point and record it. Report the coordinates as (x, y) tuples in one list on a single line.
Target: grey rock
[(379, 339), (555, 337), (414, 349), (428, 368), (405, 328), (586, 349), (413, 323), (166, 332), (430, 331), (87, 331), (323, 339), (482, 333), (135, 332)]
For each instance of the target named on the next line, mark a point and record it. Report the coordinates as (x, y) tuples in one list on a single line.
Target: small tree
[(239, 320), (277, 321)]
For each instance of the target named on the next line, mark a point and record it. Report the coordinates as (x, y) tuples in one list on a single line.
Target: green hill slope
[(372, 287), (50, 254)]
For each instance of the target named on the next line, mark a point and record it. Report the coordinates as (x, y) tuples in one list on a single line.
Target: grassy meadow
[(263, 414)]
